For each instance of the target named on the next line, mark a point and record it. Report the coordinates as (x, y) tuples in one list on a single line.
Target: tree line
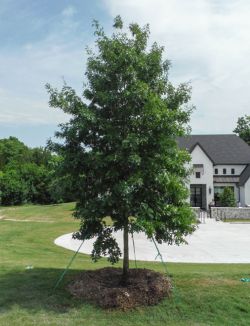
[(30, 175)]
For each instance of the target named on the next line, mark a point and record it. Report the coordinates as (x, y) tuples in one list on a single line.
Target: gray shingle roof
[(245, 175), (221, 149)]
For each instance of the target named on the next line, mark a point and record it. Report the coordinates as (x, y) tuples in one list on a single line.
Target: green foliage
[(227, 198), (12, 150), (37, 179), (41, 156), (120, 145), (243, 128), (13, 189), (28, 175), (61, 189)]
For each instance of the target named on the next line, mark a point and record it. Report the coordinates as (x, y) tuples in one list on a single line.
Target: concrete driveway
[(212, 242)]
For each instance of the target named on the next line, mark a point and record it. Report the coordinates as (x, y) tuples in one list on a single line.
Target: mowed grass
[(204, 294), (238, 220), (41, 213)]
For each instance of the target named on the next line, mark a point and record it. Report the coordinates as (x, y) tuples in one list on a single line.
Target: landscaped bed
[(104, 287)]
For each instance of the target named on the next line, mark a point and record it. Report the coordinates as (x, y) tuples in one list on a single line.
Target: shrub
[(227, 198)]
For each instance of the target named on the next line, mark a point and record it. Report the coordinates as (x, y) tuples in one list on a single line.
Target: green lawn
[(205, 294), (238, 220)]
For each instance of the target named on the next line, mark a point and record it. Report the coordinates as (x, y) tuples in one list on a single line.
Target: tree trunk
[(125, 255)]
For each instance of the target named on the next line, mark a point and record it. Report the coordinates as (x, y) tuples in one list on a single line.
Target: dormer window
[(232, 171), (197, 175), (198, 170), (224, 171), (215, 171)]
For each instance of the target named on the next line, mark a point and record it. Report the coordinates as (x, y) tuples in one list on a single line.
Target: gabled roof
[(245, 175), (221, 149)]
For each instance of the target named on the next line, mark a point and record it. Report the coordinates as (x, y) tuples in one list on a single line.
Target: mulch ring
[(104, 288)]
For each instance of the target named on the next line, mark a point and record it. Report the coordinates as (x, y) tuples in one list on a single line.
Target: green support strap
[(132, 234), (175, 292), (68, 266), (160, 255)]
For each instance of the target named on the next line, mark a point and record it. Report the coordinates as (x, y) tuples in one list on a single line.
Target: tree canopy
[(243, 128), (28, 175), (119, 147)]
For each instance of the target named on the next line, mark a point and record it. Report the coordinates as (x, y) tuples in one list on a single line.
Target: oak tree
[(119, 147)]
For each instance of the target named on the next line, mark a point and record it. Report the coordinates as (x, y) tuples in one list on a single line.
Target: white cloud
[(206, 40), (27, 110), (69, 11), (208, 44)]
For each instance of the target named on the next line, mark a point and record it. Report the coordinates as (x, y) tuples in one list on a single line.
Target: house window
[(215, 171), (224, 171), (197, 175), (232, 171)]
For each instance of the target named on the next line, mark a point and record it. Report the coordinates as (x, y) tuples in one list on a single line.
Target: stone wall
[(221, 213), (196, 212)]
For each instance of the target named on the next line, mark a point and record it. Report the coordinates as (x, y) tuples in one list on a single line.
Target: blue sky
[(44, 41), (41, 41)]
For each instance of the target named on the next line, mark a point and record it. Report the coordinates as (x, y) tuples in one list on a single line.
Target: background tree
[(227, 198), (13, 189), (28, 175), (119, 146), (243, 128), (12, 150), (37, 179)]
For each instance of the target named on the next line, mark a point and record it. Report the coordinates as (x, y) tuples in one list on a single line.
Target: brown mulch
[(104, 288)]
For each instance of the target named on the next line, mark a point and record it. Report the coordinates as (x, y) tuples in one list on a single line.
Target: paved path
[(212, 242), (17, 220)]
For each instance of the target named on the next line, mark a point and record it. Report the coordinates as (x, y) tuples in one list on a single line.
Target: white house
[(218, 161)]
